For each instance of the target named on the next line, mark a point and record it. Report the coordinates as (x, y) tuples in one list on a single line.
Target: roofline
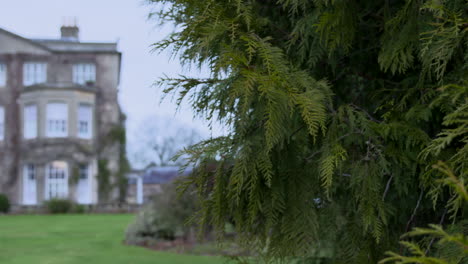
[(36, 42), (87, 51), (25, 39), (68, 42)]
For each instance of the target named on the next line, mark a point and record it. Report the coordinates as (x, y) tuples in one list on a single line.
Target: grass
[(83, 239)]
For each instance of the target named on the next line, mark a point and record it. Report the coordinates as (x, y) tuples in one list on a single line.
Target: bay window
[(57, 120), (30, 121), (56, 180)]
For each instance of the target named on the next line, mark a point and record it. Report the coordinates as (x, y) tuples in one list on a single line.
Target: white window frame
[(2, 123), (56, 180), (30, 121), (83, 171), (83, 187), (84, 73), (29, 184), (3, 74), (56, 120), (30, 171), (85, 121), (34, 73)]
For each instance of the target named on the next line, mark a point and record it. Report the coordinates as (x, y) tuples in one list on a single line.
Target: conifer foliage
[(337, 110)]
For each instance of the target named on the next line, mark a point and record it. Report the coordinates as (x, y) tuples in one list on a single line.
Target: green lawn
[(80, 239)]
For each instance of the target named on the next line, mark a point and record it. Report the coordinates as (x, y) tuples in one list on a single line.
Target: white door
[(29, 185), (83, 193), (56, 180)]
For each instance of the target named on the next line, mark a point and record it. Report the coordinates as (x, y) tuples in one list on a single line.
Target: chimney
[(70, 30)]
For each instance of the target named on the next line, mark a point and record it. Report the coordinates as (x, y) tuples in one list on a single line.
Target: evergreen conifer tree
[(337, 110)]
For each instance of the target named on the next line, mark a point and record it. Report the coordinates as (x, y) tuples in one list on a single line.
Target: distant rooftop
[(160, 175), (68, 42)]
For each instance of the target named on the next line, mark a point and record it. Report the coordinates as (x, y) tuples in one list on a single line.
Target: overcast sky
[(124, 21)]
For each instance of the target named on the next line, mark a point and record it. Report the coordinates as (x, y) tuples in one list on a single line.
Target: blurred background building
[(60, 121), (143, 184)]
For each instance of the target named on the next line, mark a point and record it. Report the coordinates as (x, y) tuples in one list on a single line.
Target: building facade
[(58, 110)]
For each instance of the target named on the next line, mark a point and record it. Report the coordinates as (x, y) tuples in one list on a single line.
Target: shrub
[(78, 209), (144, 228), (59, 206), (165, 218), (4, 204)]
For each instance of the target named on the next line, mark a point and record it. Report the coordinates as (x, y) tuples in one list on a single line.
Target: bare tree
[(158, 139)]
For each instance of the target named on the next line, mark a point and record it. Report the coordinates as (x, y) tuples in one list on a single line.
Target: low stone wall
[(90, 209)]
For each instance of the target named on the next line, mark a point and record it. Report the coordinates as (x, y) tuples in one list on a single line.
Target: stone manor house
[(58, 108)]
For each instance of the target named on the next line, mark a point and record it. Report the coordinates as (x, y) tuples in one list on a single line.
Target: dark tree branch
[(387, 187), (414, 211), (313, 155), (297, 130)]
